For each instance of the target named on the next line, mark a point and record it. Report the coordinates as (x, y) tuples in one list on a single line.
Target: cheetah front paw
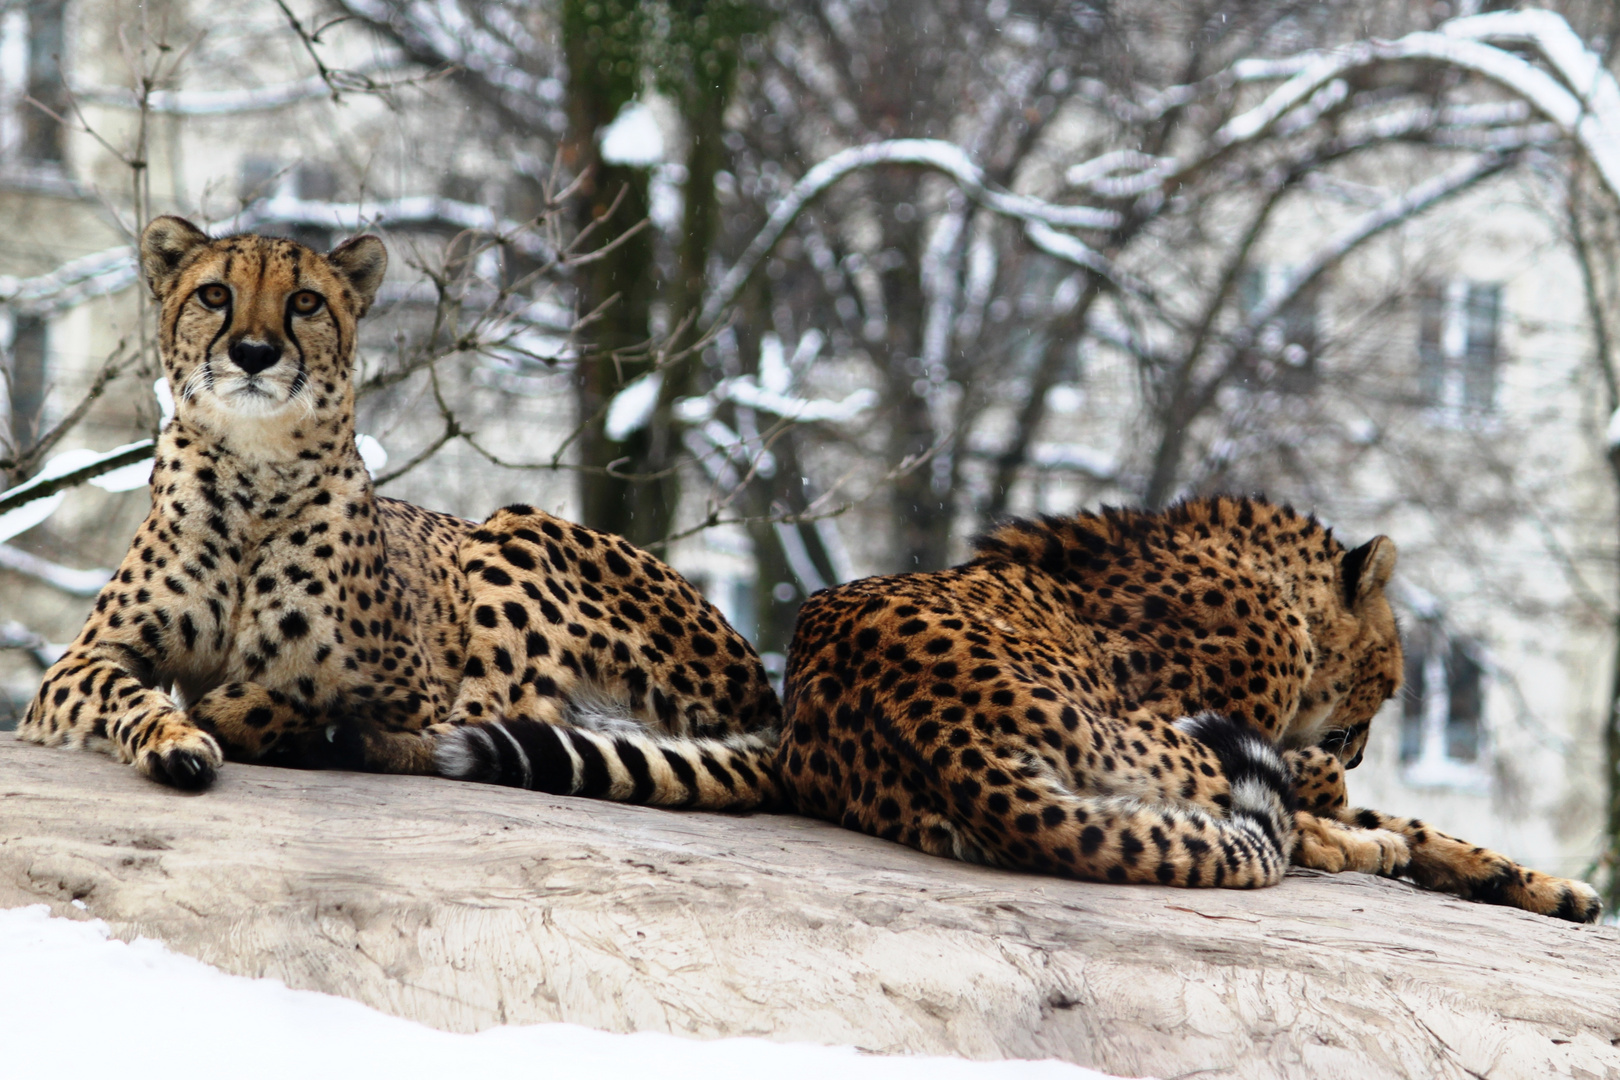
[(186, 758), (1583, 904), (1561, 898), (1325, 844)]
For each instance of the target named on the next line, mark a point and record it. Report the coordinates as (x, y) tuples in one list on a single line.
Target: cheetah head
[(1358, 662), (258, 332)]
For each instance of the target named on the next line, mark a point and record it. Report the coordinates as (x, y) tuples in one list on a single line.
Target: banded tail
[(633, 767), (1261, 783)]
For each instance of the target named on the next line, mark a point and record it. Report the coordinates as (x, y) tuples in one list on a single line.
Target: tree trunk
[(601, 43)]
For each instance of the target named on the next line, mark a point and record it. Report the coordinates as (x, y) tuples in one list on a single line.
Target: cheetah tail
[(1259, 778), (735, 773)]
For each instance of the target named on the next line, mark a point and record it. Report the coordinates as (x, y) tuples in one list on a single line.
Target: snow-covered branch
[(31, 502), (70, 284), (412, 210), (936, 154), (14, 635), (744, 390), (1578, 96), (1583, 100), (499, 56), (65, 578)]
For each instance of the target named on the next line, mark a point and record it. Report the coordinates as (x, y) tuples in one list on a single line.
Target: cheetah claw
[(188, 770)]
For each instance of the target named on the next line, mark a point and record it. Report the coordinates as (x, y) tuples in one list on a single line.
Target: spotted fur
[(1125, 696), (273, 608)]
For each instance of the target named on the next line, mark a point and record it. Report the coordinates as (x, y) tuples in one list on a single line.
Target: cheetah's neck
[(243, 497)]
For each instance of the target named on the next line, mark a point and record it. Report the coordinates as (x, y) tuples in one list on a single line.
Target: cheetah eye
[(214, 296), (306, 302)]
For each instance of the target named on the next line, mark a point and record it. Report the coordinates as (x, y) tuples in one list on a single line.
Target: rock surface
[(463, 906)]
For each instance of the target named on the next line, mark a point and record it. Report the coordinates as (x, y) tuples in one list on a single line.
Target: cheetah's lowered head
[(1358, 663), (258, 333)]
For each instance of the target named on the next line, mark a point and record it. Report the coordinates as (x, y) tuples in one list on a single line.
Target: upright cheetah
[(1128, 697), (273, 608)]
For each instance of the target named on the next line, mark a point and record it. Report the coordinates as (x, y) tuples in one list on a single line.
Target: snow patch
[(372, 453), (633, 138), (633, 406), (250, 1028)]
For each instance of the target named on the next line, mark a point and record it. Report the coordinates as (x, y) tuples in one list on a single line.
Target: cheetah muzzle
[(1166, 698), (272, 608)]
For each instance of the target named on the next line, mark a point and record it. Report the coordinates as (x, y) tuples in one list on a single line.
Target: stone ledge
[(464, 906)]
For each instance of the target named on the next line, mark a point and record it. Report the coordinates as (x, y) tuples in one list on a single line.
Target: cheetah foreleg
[(1447, 864), (1326, 844), (100, 704), (1318, 780)]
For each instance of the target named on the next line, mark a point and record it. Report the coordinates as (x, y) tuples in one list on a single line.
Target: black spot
[(516, 614), (517, 557)]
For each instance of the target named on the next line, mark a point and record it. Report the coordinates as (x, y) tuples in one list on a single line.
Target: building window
[(1459, 345), (1443, 706), (31, 67), (1292, 336)]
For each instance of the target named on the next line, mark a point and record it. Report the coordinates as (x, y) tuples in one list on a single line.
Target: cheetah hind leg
[(1123, 840), (256, 723)]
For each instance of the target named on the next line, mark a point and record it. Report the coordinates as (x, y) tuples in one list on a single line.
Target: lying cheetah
[(273, 608), (1127, 697)]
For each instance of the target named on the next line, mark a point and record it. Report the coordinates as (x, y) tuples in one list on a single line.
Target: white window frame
[(1434, 766), (1450, 404)]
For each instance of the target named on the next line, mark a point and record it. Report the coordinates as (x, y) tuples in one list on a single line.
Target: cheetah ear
[(362, 261), (1367, 569), (165, 243)]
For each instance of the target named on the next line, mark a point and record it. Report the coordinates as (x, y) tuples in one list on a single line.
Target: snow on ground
[(75, 1001)]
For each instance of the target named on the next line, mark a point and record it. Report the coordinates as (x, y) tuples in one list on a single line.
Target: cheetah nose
[(252, 357)]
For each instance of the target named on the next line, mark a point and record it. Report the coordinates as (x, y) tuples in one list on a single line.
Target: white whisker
[(304, 397), (194, 382)]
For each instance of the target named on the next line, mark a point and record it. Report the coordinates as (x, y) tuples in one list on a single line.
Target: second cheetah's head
[(1358, 661), (255, 330)]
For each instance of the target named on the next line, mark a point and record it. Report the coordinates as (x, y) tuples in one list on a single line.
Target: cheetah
[(273, 608), (1125, 696)]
